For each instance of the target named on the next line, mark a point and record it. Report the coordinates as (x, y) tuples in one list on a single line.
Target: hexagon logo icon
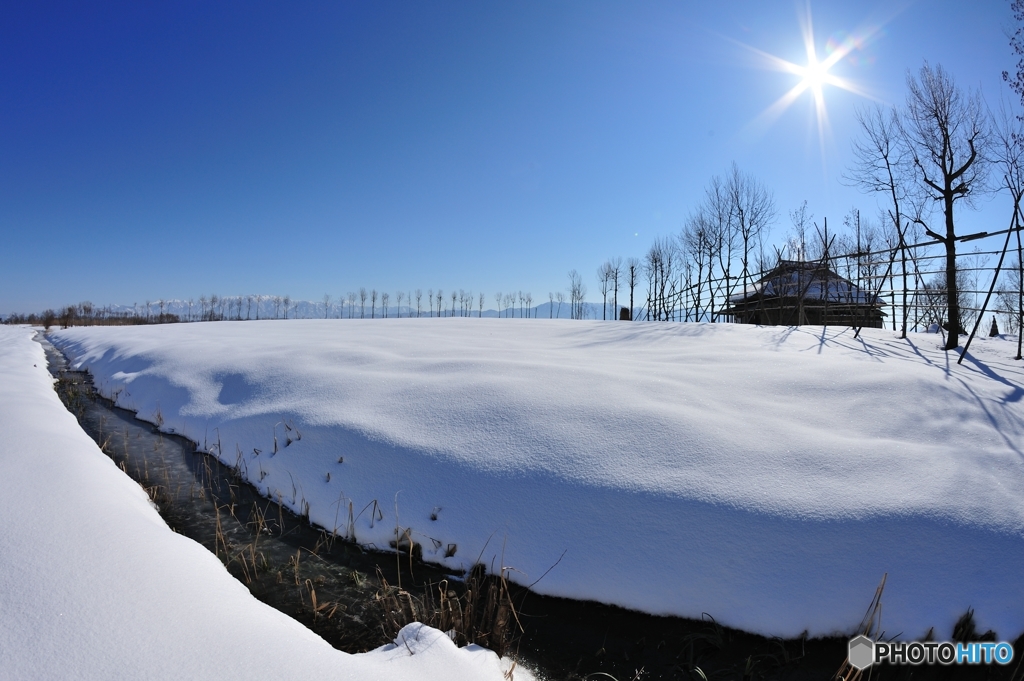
[(862, 652)]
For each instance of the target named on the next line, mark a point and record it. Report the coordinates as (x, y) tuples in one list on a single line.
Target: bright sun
[(814, 75)]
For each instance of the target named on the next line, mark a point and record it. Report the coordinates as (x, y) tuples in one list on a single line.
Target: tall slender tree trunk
[(952, 304)]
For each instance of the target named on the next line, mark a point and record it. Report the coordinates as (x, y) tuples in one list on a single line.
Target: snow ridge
[(767, 476)]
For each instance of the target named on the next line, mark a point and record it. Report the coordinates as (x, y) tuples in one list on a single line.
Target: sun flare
[(814, 76)]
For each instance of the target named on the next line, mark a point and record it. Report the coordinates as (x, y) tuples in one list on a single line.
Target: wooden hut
[(797, 292)]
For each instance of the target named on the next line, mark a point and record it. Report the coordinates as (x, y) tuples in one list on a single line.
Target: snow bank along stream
[(767, 476), (94, 585), (257, 539)]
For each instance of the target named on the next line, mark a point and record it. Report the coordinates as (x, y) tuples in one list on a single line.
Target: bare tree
[(883, 165), (947, 134), (439, 299), (327, 304), (398, 297), (690, 273), (419, 297), (362, 302), (577, 293), (697, 248), (862, 238), (753, 210), (604, 276), (373, 303), (497, 302), (351, 304), (529, 302), (687, 300), (721, 228), (480, 309), (633, 278), (615, 271), (802, 222), (560, 297), (384, 297), (659, 266)]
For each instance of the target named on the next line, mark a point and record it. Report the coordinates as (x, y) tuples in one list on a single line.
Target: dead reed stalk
[(870, 626)]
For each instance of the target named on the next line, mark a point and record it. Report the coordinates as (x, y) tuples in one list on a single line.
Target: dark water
[(350, 596)]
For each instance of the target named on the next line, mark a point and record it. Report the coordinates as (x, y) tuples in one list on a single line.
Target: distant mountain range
[(272, 307)]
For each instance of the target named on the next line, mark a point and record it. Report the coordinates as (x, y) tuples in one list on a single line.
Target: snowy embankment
[(766, 476), (93, 584)]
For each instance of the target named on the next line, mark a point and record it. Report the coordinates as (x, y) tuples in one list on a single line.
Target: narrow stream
[(351, 597), (328, 584)]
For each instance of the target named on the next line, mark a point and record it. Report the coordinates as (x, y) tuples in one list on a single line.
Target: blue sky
[(169, 150)]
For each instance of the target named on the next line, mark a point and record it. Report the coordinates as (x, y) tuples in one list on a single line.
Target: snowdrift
[(94, 585), (766, 476)]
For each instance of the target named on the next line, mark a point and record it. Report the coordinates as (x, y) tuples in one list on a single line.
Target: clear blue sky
[(168, 150)]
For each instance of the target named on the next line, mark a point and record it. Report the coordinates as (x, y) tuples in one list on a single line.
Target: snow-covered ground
[(766, 476), (94, 585)]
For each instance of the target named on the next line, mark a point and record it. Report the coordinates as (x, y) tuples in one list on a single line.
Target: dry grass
[(480, 611), (870, 626)]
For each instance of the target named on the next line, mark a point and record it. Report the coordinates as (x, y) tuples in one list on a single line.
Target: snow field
[(768, 476)]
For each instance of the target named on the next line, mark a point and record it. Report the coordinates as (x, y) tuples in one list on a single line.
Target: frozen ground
[(93, 584), (766, 476)]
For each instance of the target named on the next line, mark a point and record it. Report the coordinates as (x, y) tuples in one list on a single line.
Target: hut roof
[(809, 280)]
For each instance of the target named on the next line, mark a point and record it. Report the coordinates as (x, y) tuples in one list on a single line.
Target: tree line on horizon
[(364, 304)]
